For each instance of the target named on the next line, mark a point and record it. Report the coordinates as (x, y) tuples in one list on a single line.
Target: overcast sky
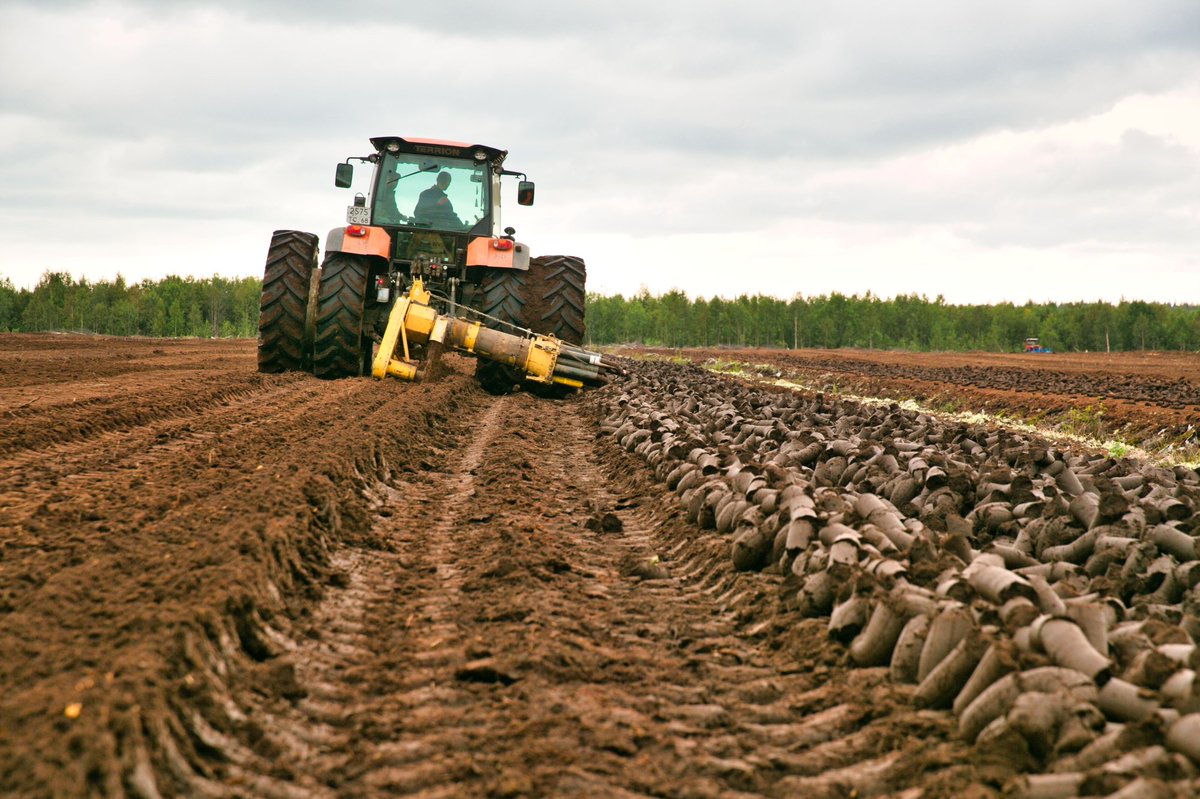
[(986, 151)]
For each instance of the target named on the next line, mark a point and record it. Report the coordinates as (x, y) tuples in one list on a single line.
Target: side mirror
[(525, 192), (344, 176)]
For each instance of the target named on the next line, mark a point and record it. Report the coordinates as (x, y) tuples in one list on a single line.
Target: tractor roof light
[(480, 155), (393, 147)]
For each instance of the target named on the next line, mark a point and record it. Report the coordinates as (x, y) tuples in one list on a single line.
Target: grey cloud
[(1141, 162), (634, 116), (719, 79), (1111, 196)]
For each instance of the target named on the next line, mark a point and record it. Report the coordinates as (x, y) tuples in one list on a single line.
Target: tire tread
[(341, 300), (291, 260)]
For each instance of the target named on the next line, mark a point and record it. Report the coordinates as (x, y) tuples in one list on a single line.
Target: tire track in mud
[(507, 649), (323, 730)]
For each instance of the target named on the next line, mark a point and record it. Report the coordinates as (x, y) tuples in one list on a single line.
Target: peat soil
[(166, 511), (1151, 399), (220, 583), (548, 627)]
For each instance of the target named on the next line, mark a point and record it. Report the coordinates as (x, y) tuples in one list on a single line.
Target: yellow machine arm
[(543, 359)]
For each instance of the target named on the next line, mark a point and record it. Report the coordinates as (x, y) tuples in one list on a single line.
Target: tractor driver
[(434, 207)]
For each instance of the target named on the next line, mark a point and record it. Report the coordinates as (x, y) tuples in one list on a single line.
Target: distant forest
[(170, 307), (909, 322), (216, 306)]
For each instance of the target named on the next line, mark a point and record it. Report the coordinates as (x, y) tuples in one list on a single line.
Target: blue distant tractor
[(1035, 346)]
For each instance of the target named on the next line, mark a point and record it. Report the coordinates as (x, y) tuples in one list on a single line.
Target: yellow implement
[(542, 359)]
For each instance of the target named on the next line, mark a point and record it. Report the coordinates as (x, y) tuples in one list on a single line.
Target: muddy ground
[(1148, 398), (220, 583)]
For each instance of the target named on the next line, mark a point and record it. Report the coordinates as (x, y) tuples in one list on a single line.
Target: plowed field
[(220, 583), (1152, 398)]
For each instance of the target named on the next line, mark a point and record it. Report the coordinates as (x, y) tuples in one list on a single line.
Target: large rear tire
[(284, 340), (556, 306), (557, 296), (548, 298), (341, 347)]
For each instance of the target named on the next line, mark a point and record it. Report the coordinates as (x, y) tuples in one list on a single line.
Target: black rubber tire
[(548, 298), (287, 284), (340, 346), (502, 295), (556, 305), (559, 283)]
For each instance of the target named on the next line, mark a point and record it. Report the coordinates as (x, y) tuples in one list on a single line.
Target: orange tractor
[(422, 264)]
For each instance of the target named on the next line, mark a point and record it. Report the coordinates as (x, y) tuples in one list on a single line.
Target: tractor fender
[(373, 241), (497, 253)]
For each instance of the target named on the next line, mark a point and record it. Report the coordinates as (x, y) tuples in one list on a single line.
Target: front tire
[(341, 346), (284, 341)]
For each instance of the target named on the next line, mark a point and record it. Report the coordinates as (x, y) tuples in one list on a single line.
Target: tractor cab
[(435, 207), (427, 185)]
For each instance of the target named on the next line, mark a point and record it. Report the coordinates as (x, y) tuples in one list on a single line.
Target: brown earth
[(220, 583), (1147, 398)]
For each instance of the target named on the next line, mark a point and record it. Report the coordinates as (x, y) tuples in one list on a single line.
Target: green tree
[(9, 306)]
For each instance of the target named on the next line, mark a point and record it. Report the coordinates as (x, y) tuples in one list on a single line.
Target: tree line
[(911, 322), (217, 306), (170, 307)]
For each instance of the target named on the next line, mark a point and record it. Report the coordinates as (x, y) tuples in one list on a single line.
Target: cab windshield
[(432, 192)]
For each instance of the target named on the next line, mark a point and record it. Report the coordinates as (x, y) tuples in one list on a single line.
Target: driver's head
[(443, 180)]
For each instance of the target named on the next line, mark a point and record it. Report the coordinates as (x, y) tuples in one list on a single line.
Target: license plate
[(358, 215)]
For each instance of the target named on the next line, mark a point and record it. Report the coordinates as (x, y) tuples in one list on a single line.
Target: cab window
[(430, 192)]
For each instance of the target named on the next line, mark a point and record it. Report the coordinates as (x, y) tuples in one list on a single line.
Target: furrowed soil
[(220, 583), (1147, 398)]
